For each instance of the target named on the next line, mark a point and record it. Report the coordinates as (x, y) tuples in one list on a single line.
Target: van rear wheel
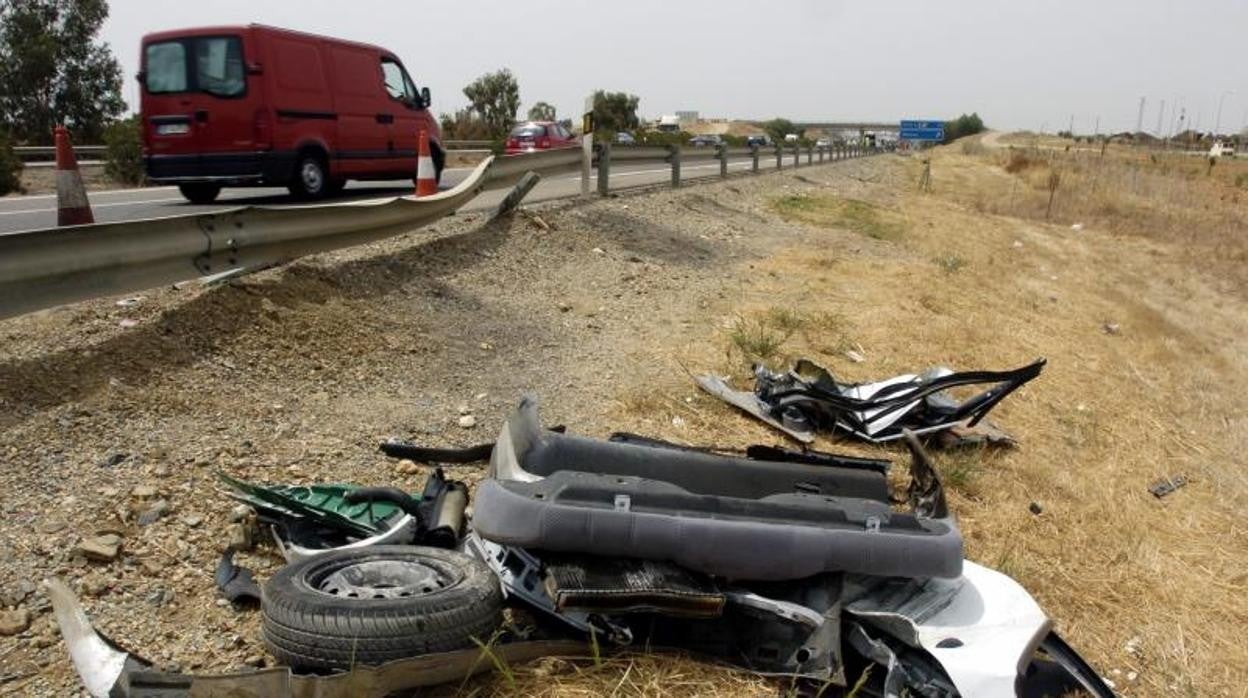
[(311, 181), (200, 192)]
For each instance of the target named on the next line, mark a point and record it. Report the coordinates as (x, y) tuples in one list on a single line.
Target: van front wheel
[(311, 180), (200, 193)]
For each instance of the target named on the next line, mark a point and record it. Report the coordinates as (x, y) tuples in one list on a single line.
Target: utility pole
[(1071, 128), (1217, 123), (1161, 112), (1097, 131), (1139, 120)]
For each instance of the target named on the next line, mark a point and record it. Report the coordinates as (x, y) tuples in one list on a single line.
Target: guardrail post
[(820, 149), (810, 155), (779, 157), (722, 154), (604, 168), (797, 155), (517, 194), (754, 157), (675, 157)]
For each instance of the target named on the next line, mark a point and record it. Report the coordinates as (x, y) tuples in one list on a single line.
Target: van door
[(223, 105), (301, 100), (167, 109), (365, 112), (410, 116)]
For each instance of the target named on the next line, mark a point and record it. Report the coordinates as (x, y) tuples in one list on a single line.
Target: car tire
[(373, 605), (200, 193), (311, 177), (439, 163), (335, 187)]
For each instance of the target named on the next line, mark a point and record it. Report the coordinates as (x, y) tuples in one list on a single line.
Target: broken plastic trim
[(808, 398), (521, 576)]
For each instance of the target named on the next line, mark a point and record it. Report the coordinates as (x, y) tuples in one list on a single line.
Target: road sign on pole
[(922, 131)]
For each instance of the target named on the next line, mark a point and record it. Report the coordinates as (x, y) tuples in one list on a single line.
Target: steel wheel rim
[(313, 178), (383, 579)]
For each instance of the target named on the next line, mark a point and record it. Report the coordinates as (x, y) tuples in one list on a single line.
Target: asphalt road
[(19, 213)]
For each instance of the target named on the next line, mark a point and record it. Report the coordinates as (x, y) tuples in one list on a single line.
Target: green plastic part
[(323, 504)]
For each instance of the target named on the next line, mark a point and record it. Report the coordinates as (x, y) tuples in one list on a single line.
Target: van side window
[(166, 67), (396, 83)]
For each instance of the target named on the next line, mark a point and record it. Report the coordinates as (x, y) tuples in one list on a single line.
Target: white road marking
[(119, 203), (102, 192)]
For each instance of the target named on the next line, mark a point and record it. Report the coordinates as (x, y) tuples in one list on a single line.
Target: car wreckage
[(786, 563), (808, 399)]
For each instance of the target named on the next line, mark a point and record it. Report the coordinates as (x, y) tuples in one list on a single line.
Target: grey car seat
[(730, 517)]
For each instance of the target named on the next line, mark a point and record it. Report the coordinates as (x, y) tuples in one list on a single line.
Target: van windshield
[(217, 68)]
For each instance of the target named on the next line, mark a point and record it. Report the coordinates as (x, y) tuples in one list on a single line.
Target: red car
[(538, 135), (260, 106)]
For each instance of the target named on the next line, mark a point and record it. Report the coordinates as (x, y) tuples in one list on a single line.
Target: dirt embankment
[(295, 374)]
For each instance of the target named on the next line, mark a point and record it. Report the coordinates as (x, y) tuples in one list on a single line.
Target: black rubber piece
[(393, 495), (424, 454), (312, 630)]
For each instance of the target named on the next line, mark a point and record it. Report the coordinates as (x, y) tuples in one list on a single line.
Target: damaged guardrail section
[(45, 268)]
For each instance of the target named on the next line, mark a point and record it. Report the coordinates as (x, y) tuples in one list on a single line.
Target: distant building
[(687, 117)]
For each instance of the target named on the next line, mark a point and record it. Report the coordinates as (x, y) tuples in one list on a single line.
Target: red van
[(261, 106)]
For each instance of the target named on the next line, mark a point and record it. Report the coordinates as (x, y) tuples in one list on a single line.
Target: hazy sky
[(1019, 64)]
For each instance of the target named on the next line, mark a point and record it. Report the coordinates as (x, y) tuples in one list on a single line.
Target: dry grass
[(862, 217), (637, 674), (1169, 197), (1145, 586)]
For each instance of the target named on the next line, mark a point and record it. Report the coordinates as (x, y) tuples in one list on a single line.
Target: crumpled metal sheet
[(109, 671), (808, 399)]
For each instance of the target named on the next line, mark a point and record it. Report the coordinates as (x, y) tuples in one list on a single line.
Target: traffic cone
[(72, 207), (426, 173)]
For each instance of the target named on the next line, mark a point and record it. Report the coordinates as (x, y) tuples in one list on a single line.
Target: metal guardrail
[(44, 268), (41, 152)]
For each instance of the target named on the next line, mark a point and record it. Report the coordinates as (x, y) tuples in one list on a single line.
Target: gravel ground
[(295, 375)]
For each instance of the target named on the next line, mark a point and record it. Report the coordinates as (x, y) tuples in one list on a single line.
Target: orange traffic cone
[(426, 174), (72, 207)]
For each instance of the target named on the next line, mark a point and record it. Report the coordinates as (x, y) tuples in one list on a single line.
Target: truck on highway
[(668, 123), (261, 106)]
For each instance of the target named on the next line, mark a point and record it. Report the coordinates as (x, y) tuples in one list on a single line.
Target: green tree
[(123, 141), (495, 97), (465, 125), (965, 125), (542, 111), (53, 70), (10, 166), (615, 111), (778, 128)]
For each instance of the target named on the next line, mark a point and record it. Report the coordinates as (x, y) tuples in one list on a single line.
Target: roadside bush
[(965, 125), (123, 143), (10, 166), (1017, 161)]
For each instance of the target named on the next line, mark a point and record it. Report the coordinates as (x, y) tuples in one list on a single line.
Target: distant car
[(758, 140), (625, 138), (790, 138), (707, 140), (538, 135), (823, 143)]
